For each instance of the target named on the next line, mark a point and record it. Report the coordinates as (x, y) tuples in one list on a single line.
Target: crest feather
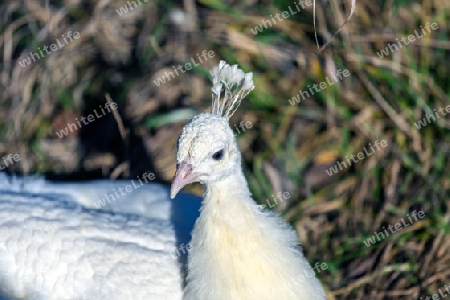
[(234, 83)]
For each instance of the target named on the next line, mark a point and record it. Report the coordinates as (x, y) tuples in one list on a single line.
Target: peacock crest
[(233, 83)]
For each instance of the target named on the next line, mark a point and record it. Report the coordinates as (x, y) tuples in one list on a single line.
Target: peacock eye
[(218, 155)]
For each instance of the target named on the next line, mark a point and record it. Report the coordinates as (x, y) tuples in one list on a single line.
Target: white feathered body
[(241, 252), (55, 243)]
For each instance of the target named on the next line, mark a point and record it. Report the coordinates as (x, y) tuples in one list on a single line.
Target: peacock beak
[(183, 176)]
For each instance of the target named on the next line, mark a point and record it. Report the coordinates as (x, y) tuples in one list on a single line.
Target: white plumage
[(55, 244), (239, 251)]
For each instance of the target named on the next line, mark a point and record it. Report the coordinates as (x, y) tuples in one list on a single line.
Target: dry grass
[(287, 149)]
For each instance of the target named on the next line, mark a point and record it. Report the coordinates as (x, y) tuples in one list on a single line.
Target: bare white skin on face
[(207, 151)]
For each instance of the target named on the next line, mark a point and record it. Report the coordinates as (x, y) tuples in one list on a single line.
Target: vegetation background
[(287, 149)]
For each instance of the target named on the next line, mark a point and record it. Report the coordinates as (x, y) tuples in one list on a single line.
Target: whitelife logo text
[(124, 190), (379, 236), (281, 16), (124, 9), (187, 66), (423, 122), (391, 48), (53, 47), (9, 160), (319, 87), (360, 155), (90, 118)]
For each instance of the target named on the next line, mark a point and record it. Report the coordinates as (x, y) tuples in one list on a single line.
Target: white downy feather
[(56, 245), (239, 250)]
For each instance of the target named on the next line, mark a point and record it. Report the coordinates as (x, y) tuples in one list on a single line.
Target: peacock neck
[(228, 203), (231, 189)]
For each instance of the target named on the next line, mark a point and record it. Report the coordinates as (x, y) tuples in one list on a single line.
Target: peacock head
[(207, 149)]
